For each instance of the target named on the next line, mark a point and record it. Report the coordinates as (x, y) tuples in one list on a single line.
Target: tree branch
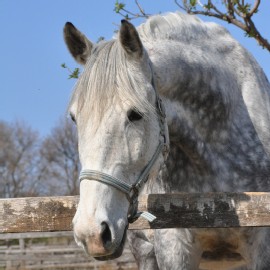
[(233, 8), (255, 8), (237, 12)]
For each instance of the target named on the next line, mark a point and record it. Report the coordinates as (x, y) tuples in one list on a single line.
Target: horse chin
[(116, 253)]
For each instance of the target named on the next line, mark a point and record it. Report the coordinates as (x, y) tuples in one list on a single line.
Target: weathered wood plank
[(37, 214), (206, 210), (185, 210)]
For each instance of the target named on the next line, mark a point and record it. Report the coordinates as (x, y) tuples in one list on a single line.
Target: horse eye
[(134, 115), (72, 117)]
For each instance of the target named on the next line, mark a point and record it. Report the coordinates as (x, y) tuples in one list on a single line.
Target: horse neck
[(227, 74), (202, 94), (255, 89)]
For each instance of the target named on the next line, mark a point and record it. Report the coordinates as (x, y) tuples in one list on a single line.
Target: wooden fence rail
[(53, 250), (181, 210)]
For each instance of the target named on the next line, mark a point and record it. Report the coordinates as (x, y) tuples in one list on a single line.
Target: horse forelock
[(105, 81)]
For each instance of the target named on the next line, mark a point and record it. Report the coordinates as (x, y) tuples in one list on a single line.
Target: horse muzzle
[(101, 242), (117, 251)]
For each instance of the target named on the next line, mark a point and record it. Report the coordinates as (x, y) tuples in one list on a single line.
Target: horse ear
[(130, 39), (77, 43)]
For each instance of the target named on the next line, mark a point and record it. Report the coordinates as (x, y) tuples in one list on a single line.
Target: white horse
[(216, 99)]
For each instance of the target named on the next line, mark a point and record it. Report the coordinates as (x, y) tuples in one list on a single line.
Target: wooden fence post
[(22, 251)]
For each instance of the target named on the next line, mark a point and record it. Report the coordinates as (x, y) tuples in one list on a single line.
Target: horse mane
[(179, 26)]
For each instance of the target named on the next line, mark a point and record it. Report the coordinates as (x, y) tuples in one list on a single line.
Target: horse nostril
[(106, 235)]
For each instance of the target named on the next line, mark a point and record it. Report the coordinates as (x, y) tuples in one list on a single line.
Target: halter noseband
[(132, 191)]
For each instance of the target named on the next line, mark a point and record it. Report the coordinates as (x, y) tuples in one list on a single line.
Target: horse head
[(122, 135)]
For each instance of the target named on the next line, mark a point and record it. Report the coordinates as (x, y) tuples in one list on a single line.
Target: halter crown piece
[(132, 191)]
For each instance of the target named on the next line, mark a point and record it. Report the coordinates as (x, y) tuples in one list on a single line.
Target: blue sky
[(34, 88)]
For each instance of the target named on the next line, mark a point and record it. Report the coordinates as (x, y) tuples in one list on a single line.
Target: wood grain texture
[(182, 210), (37, 214)]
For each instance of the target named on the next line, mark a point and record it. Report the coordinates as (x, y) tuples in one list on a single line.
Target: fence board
[(185, 210), (29, 235), (57, 252)]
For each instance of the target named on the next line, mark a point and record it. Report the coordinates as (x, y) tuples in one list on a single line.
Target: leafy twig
[(236, 12), (72, 74), (129, 15)]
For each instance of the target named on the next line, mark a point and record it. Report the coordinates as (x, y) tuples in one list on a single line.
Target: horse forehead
[(112, 118)]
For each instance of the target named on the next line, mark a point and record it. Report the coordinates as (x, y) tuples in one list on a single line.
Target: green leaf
[(251, 33), (193, 2), (208, 6), (75, 74), (244, 8), (118, 6)]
